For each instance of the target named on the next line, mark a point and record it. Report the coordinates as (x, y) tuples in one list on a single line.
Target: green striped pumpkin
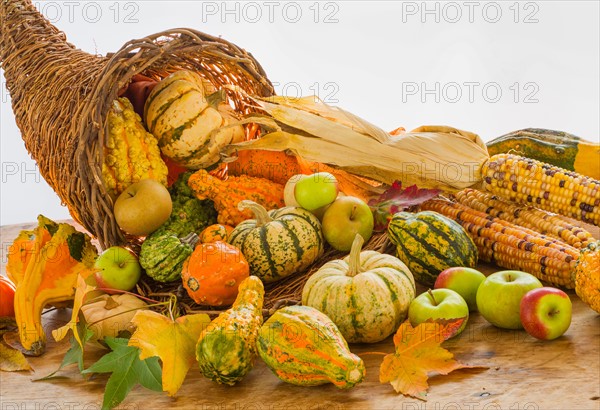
[(366, 294), (428, 243), (279, 242), (302, 346), (191, 126)]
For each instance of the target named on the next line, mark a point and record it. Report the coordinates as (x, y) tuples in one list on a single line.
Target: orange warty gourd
[(213, 273), (216, 232)]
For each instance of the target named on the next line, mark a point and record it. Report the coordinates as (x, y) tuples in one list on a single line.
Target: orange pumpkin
[(216, 232), (212, 274)]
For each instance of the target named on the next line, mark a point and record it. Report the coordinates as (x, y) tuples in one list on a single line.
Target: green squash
[(226, 349), (279, 242), (428, 243), (302, 346), (163, 254), (366, 294)]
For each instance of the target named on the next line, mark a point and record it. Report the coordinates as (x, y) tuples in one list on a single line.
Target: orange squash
[(213, 273), (216, 232)]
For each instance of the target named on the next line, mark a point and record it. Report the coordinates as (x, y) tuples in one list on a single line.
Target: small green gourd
[(226, 349), (163, 254)]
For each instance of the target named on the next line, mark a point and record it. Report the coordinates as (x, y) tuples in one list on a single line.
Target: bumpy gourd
[(366, 294), (130, 152), (587, 276), (163, 254), (191, 120), (215, 232), (44, 265), (279, 242), (227, 194), (213, 273), (226, 349), (428, 243), (303, 346)]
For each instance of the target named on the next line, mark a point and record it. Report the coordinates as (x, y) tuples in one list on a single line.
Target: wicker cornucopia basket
[(61, 96)]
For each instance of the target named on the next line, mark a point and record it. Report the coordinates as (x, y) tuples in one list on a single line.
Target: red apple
[(546, 313), (464, 281)]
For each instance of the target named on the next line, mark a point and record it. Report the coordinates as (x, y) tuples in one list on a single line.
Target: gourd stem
[(190, 239), (354, 267), (260, 213)]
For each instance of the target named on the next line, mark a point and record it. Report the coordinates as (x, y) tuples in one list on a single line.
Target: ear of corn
[(545, 186), (553, 225), (511, 246)]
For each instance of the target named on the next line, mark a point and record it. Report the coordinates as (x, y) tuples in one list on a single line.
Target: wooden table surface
[(523, 374)]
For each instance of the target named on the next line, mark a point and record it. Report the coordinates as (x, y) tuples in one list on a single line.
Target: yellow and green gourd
[(366, 294), (302, 346), (428, 243), (226, 349), (553, 147), (190, 119), (279, 242)]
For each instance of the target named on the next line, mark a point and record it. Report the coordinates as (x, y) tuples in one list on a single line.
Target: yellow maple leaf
[(83, 289), (418, 352), (173, 341)]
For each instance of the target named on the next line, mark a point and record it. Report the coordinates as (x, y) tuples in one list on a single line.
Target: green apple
[(499, 297), (464, 281), (438, 304), (316, 190), (546, 313), (289, 197), (117, 268), (344, 218), (143, 207)]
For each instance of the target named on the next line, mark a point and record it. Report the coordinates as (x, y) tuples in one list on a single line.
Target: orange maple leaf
[(418, 352), (173, 341)]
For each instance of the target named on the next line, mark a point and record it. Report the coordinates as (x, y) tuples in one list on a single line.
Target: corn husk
[(438, 157)]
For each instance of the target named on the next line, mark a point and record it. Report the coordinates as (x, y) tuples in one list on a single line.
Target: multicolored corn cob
[(553, 225), (511, 246), (544, 186)]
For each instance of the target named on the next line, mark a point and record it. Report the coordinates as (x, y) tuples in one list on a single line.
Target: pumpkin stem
[(354, 267), (111, 303), (260, 213)]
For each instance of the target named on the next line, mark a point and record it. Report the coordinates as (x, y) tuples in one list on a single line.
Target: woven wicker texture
[(61, 96)]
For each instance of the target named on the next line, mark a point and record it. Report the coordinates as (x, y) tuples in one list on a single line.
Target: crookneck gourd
[(279, 242), (303, 346), (226, 349), (44, 265), (366, 294)]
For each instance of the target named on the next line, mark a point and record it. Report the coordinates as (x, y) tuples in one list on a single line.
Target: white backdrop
[(488, 67)]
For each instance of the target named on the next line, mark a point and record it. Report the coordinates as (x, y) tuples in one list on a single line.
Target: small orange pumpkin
[(216, 232), (212, 274)]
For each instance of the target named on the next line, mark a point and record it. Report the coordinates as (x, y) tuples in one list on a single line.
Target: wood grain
[(523, 374)]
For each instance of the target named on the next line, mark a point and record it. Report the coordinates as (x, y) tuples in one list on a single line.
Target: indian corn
[(545, 186), (556, 226)]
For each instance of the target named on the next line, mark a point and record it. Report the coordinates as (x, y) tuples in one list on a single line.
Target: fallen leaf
[(418, 352), (127, 370), (395, 199), (81, 291), (12, 360), (173, 341)]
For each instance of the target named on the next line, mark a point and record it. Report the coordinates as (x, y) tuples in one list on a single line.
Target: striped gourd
[(544, 186), (366, 294), (190, 120), (428, 243), (302, 346), (512, 246), (554, 147), (279, 242), (163, 254), (553, 225), (226, 349)]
